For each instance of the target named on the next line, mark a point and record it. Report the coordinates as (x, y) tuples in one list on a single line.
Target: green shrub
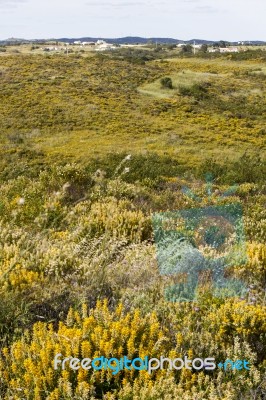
[(197, 90), (167, 83)]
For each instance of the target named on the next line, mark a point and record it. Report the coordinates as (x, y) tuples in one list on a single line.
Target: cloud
[(206, 9), (113, 4), (98, 4), (4, 2), (11, 3), (122, 4)]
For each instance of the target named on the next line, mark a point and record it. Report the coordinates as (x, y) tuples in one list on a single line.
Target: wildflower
[(66, 186), (21, 201), (252, 286), (98, 173)]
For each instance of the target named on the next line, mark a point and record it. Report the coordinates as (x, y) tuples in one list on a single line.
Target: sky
[(232, 20)]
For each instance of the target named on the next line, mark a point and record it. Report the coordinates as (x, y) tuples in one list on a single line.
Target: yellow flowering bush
[(27, 367)]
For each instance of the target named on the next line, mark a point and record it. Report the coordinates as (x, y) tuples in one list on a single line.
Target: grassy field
[(92, 149), (183, 78), (81, 106)]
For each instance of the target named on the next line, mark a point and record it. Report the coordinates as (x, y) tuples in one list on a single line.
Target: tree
[(204, 48), (187, 48), (167, 83), (222, 43), (171, 46)]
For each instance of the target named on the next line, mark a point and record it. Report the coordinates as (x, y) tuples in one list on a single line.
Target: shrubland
[(91, 148)]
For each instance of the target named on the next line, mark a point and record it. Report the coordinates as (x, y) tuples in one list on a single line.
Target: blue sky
[(180, 19)]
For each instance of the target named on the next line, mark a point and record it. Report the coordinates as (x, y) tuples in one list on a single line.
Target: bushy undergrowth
[(27, 368), (78, 266), (72, 237)]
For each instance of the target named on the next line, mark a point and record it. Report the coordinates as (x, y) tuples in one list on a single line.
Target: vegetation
[(187, 49), (91, 148), (167, 83)]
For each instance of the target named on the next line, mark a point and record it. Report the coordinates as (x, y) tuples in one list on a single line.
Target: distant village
[(102, 45)]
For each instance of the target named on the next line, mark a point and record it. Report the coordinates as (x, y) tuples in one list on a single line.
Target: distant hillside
[(127, 39), (123, 40)]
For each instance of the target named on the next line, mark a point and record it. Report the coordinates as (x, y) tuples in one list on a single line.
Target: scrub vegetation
[(91, 147)]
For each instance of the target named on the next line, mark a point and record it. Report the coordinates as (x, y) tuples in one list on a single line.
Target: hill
[(125, 40)]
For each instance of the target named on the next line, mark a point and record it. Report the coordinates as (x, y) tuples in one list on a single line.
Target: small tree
[(222, 43), (187, 48), (167, 83), (171, 46)]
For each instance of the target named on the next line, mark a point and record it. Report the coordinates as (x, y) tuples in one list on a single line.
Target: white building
[(101, 45), (50, 49), (229, 50), (213, 50), (197, 46), (223, 50)]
